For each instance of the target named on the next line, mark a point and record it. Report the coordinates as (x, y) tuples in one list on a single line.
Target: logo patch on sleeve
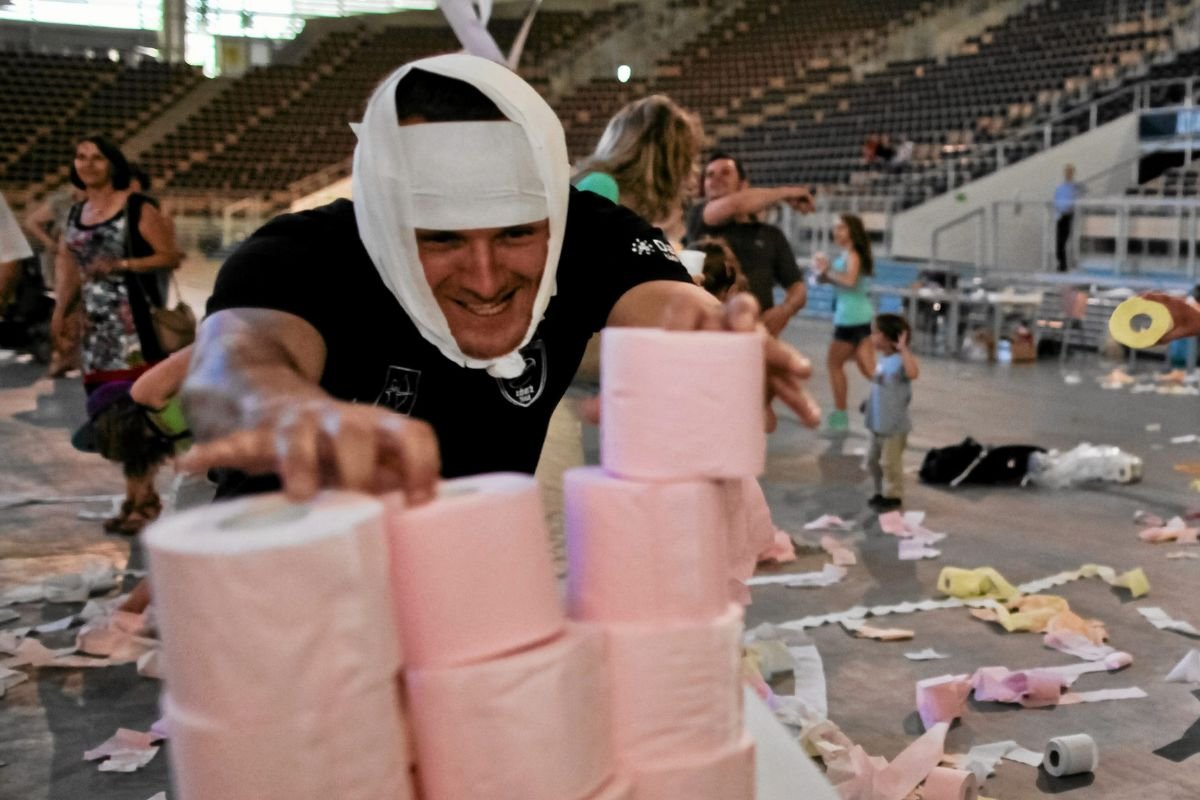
[(400, 390), (527, 387)]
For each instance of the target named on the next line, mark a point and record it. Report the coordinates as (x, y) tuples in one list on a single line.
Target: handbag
[(175, 328)]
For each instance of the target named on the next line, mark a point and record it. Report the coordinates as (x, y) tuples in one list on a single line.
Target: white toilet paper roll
[(676, 687), (950, 784), (351, 750), (681, 405), (727, 774), (644, 551), (529, 726), (267, 607), (1070, 755), (472, 573)]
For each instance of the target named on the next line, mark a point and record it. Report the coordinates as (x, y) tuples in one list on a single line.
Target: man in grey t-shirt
[(728, 212)]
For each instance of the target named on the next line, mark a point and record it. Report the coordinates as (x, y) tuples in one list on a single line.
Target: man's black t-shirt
[(314, 265), (764, 253)]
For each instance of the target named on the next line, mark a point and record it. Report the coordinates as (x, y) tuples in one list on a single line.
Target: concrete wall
[(1031, 181)]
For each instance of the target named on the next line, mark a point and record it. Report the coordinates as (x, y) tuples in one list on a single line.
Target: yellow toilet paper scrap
[(966, 584), (1120, 324), (1032, 613), (1134, 580)]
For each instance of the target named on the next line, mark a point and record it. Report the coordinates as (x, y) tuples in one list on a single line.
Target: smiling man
[(431, 326)]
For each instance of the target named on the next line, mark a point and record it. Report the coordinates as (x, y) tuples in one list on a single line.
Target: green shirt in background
[(600, 183), (852, 305)]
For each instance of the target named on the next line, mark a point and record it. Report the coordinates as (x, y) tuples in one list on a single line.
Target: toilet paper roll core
[(1121, 323), (1070, 755)]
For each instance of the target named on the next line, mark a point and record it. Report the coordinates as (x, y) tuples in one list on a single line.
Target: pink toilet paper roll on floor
[(644, 551), (950, 784), (676, 687), (530, 726), (681, 405), (726, 774), (942, 699), (267, 607), (472, 576), (351, 750)]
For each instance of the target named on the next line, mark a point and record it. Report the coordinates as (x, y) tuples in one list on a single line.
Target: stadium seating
[(49, 101), (1012, 75)]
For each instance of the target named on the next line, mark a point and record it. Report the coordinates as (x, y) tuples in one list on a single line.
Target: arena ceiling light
[(624, 72)]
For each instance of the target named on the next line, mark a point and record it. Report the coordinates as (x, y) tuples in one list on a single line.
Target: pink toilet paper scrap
[(1031, 689), (781, 551), (829, 522), (842, 555), (942, 699)]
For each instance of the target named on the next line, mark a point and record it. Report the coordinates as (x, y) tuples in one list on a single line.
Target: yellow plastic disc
[(1120, 324)]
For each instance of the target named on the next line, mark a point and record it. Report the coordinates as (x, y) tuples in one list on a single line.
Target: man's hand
[(902, 342), (775, 319), (1185, 315), (799, 198), (325, 442), (786, 368)]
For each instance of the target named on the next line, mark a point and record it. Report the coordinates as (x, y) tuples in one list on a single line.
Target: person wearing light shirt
[(1065, 195)]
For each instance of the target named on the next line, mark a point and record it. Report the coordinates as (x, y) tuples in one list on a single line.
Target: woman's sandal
[(114, 524), (133, 518)]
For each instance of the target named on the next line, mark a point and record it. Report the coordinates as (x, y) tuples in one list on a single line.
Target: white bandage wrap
[(454, 176)]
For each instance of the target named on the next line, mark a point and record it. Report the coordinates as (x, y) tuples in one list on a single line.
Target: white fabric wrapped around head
[(455, 176)]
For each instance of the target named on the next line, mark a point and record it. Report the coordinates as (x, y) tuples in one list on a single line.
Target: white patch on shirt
[(400, 388), (526, 388)]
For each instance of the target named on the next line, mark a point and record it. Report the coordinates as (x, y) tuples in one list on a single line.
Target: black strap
[(141, 304)]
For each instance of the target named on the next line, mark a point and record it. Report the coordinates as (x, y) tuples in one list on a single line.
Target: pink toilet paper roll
[(352, 750), (950, 784), (529, 726), (942, 699), (471, 571), (723, 775), (267, 607), (676, 687), (644, 551), (681, 405)]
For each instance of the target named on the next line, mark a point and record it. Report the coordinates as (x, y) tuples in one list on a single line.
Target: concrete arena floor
[(47, 723)]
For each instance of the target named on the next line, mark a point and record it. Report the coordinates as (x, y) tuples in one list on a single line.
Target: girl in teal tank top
[(850, 275)]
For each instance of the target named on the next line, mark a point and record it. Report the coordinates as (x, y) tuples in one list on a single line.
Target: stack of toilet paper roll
[(279, 682), (649, 553), (506, 698)]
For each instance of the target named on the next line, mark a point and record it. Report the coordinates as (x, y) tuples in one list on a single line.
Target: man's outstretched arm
[(253, 400)]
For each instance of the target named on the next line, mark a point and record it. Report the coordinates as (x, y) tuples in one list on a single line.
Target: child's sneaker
[(837, 422), (889, 504)]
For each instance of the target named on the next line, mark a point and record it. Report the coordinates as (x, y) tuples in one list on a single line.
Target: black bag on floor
[(972, 463)]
